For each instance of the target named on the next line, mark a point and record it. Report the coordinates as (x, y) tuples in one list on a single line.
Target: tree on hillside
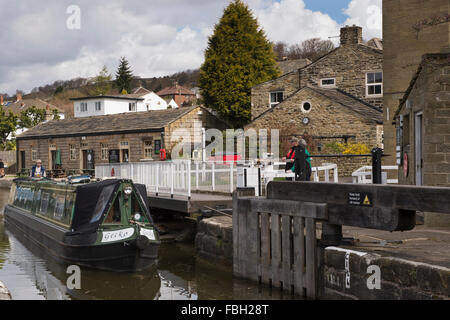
[(311, 49), (102, 82), (124, 75), (238, 57)]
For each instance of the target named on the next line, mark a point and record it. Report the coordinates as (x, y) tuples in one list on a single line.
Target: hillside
[(60, 92)]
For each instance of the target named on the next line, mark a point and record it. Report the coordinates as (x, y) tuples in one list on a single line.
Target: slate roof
[(176, 89), (141, 91), (120, 96), (19, 106), (148, 121), (292, 65), (364, 109)]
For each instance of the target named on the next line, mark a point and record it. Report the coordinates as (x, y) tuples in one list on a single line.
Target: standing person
[(308, 168), (293, 143), (38, 171), (2, 168)]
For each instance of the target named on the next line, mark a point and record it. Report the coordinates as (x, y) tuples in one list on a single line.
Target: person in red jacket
[(293, 143)]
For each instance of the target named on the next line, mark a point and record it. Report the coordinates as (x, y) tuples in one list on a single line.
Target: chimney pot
[(351, 35)]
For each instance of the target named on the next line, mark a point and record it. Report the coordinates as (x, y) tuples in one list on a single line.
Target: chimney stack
[(18, 97), (351, 35), (1, 100)]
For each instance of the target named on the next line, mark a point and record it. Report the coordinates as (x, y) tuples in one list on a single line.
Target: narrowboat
[(103, 225)]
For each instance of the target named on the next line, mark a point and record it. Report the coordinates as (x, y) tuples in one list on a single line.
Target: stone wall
[(400, 279), (135, 144), (326, 119), (189, 127), (214, 240), (348, 64), (288, 84), (403, 49)]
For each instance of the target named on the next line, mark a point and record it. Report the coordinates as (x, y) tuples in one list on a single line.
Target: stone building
[(126, 137), (353, 67), (411, 28), (423, 128), (339, 95)]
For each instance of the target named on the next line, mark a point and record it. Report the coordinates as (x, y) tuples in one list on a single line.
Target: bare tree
[(311, 49)]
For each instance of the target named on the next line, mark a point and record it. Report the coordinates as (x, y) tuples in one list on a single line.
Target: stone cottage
[(80, 143), (423, 127), (339, 95)]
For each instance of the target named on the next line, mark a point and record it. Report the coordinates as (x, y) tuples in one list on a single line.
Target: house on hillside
[(180, 95), (140, 100), (337, 98), (80, 143), (151, 100)]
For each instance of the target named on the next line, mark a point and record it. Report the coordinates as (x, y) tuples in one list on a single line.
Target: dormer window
[(328, 82), (276, 98), (374, 84)]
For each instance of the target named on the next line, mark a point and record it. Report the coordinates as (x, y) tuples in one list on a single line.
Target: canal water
[(31, 274)]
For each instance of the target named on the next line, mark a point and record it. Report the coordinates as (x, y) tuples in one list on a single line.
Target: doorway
[(418, 133), (22, 159), (124, 155)]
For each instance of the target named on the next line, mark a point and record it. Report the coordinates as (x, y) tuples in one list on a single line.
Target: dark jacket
[(33, 171)]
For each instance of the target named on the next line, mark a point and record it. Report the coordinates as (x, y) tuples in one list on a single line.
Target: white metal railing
[(364, 175), (174, 177), (182, 177)]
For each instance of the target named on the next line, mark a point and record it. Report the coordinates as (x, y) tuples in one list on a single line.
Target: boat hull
[(121, 256)]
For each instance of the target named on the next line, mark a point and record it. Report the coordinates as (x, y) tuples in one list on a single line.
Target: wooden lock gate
[(274, 238)]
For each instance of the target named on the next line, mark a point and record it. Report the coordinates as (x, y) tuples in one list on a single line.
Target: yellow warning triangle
[(366, 200)]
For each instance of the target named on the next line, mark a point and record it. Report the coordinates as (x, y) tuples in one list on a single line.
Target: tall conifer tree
[(238, 57), (124, 76)]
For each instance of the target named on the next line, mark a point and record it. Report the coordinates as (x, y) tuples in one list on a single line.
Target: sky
[(47, 40)]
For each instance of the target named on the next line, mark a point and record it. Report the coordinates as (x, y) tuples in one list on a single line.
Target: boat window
[(45, 197), (114, 215), (59, 207), (23, 197), (102, 202)]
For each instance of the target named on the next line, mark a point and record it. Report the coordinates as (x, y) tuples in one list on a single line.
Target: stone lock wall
[(214, 240), (345, 274)]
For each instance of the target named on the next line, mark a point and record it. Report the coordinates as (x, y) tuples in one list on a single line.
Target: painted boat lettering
[(148, 233), (109, 236)]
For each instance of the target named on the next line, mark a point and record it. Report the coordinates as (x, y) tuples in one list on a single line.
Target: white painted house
[(141, 100)]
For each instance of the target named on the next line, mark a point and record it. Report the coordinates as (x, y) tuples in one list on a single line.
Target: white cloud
[(368, 14), (158, 37), (291, 22)]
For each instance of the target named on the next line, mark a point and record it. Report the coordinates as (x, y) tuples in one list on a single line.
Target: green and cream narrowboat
[(104, 225)]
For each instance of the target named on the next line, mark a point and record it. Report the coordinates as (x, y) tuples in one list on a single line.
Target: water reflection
[(31, 273)]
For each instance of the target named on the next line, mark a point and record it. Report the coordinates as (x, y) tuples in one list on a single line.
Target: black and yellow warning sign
[(360, 199)]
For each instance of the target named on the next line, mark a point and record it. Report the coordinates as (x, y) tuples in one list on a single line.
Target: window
[(105, 151), (276, 98), (98, 106), (73, 152), (132, 106), (328, 82), (148, 149), (33, 154), (83, 107), (374, 84), (306, 107), (157, 146), (123, 144)]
